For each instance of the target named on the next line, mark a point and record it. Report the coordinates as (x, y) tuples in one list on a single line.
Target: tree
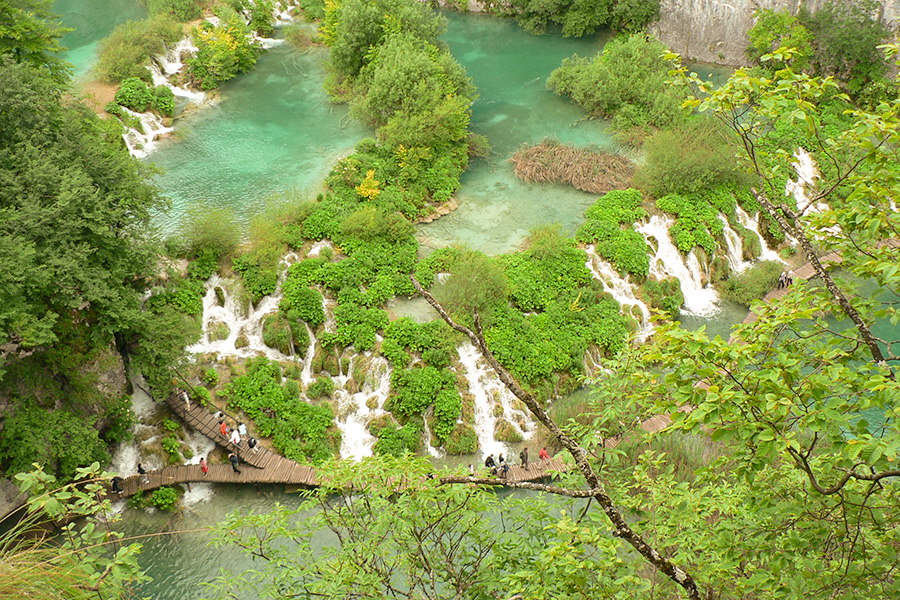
[(87, 558), (29, 34)]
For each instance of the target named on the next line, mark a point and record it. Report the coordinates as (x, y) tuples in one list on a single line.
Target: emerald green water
[(92, 21), (273, 129)]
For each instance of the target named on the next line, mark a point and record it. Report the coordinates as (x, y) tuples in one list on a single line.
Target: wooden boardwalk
[(263, 466)]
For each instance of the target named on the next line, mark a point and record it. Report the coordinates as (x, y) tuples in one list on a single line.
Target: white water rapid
[(735, 247), (699, 300), (752, 224), (231, 315), (142, 143), (355, 410), (492, 401), (618, 288)]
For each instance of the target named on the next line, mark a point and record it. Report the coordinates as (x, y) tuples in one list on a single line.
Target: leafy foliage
[(127, 50), (775, 29), (625, 249), (626, 81), (753, 284), (180, 10), (396, 441), (223, 50), (664, 295), (579, 18), (29, 34), (301, 431), (58, 167), (164, 498)]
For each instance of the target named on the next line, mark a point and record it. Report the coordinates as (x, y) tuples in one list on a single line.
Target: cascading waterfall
[(667, 262), (486, 387), (752, 224), (231, 315), (735, 247), (356, 410), (141, 143), (620, 289)]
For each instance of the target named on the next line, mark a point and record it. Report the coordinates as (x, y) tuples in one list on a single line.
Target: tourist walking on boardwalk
[(782, 280), (543, 454), (242, 429), (223, 427), (253, 444), (490, 464), (524, 456), (143, 474), (504, 467), (203, 466), (234, 462), (789, 280), (236, 438)]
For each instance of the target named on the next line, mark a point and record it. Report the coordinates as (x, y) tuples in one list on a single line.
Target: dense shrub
[(462, 440), (397, 441), (608, 225), (287, 337), (162, 100), (753, 284), (627, 80), (846, 36), (127, 50), (687, 159), (543, 272), (447, 409), (414, 390), (476, 283), (313, 10), (306, 301), (223, 50), (434, 341), (321, 387), (579, 18), (180, 10), (301, 431), (133, 93), (664, 295), (775, 29), (262, 17), (164, 498)]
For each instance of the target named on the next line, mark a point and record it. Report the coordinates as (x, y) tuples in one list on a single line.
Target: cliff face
[(716, 30)]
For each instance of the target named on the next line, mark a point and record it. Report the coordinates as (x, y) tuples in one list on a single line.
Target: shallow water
[(92, 21)]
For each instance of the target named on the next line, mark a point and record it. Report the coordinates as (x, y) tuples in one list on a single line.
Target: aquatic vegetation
[(585, 169)]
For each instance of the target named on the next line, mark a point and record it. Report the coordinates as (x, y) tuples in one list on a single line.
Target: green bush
[(625, 249), (688, 159), (223, 50), (447, 409), (775, 29), (202, 395), (210, 377), (127, 50), (206, 227), (664, 295), (753, 284), (133, 93), (306, 301), (262, 17), (180, 10), (462, 440), (301, 431), (172, 446), (397, 441), (285, 334), (580, 18), (414, 390), (313, 10), (164, 498), (322, 387), (162, 101), (630, 76)]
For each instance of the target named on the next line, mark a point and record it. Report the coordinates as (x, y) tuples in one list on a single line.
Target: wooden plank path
[(808, 272), (262, 466)]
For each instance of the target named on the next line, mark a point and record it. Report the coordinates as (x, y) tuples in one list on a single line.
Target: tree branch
[(620, 526)]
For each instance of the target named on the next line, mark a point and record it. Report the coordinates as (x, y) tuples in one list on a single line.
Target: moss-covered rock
[(242, 341), (462, 440), (218, 330), (504, 431)]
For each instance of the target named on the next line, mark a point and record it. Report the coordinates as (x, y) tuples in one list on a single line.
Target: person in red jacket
[(223, 427), (543, 454)]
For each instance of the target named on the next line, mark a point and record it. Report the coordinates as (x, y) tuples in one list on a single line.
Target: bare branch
[(620, 526)]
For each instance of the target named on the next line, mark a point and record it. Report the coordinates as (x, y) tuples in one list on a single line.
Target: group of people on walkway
[(501, 466), (785, 279)]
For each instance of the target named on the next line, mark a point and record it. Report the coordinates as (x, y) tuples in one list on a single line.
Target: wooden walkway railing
[(261, 465)]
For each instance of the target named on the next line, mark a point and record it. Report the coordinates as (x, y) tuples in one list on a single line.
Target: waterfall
[(250, 325), (164, 66), (752, 224), (667, 262), (486, 388), (735, 248), (619, 289), (141, 143), (356, 410)]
